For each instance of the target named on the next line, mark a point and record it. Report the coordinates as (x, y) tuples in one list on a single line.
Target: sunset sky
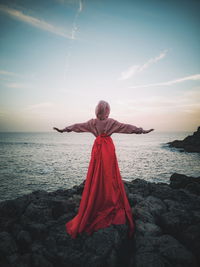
[(58, 58)]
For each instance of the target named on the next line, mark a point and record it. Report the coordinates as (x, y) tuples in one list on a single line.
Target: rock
[(37, 231), (175, 252), (167, 223), (175, 222), (154, 205), (178, 181), (39, 261), (162, 251), (134, 198), (140, 212), (145, 228), (14, 260), (150, 259), (24, 241), (193, 188), (7, 244), (26, 259), (191, 239), (190, 184), (190, 144)]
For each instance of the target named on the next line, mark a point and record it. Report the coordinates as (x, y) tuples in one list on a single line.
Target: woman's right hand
[(58, 130)]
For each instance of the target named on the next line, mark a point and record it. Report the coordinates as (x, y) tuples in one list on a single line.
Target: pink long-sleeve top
[(107, 126)]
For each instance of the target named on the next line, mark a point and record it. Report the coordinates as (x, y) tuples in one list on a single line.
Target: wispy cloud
[(188, 101), (131, 71), (67, 1), (168, 83), (17, 85), (73, 35), (8, 73), (35, 22), (39, 106)]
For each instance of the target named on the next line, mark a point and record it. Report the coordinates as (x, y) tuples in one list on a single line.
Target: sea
[(50, 160)]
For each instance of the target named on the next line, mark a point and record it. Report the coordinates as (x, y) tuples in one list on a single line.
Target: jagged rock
[(191, 143), (167, 223), (190, 184), (162, 251)]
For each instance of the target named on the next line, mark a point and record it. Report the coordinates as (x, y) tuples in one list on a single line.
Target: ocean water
[(50, 161)]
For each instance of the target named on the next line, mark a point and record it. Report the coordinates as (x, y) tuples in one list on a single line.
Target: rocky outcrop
[(167, 218), (190, 144)]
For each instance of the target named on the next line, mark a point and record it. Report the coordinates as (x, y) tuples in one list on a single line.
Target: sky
[(58, 58)]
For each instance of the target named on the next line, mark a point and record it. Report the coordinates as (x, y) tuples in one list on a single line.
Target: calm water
[(49, 161)]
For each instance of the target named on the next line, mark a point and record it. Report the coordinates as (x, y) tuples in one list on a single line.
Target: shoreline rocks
[(167, 220), (190, 144)]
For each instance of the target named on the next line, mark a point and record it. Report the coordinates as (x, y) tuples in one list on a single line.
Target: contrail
[(73, 37), (195, 77), (74, 27), (80, 6), (33, 21)]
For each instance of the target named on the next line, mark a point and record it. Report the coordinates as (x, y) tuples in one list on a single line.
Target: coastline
[(49, 162), (167, 220), (191, 143)]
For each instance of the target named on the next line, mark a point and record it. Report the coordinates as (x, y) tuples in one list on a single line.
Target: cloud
[(80, 6), (130, 72), (18, 85), (40, 107), (72, 2), (194, 77), (35, 22), (8, 73), (74, 26), (67, 1), (188, 102)]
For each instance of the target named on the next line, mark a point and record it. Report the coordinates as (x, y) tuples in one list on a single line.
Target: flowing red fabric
[(104, 201)]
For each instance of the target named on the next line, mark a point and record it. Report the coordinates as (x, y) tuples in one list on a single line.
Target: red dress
[(104, 201)]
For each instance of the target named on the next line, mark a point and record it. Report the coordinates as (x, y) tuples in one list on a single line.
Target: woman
[(104, 201)]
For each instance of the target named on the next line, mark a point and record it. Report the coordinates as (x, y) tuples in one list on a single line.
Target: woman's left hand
[(148, 131)]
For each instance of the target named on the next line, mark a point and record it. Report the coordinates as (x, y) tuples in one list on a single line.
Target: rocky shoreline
[(189, 144), (167, 218)]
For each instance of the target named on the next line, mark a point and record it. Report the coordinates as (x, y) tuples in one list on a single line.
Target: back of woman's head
[(102, 110)]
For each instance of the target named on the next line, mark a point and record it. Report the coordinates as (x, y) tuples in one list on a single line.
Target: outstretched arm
[(119, 127), (147, 131), (77, 127)]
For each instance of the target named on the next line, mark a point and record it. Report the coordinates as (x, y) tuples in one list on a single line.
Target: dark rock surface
[(167, 218), (190, 144)]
